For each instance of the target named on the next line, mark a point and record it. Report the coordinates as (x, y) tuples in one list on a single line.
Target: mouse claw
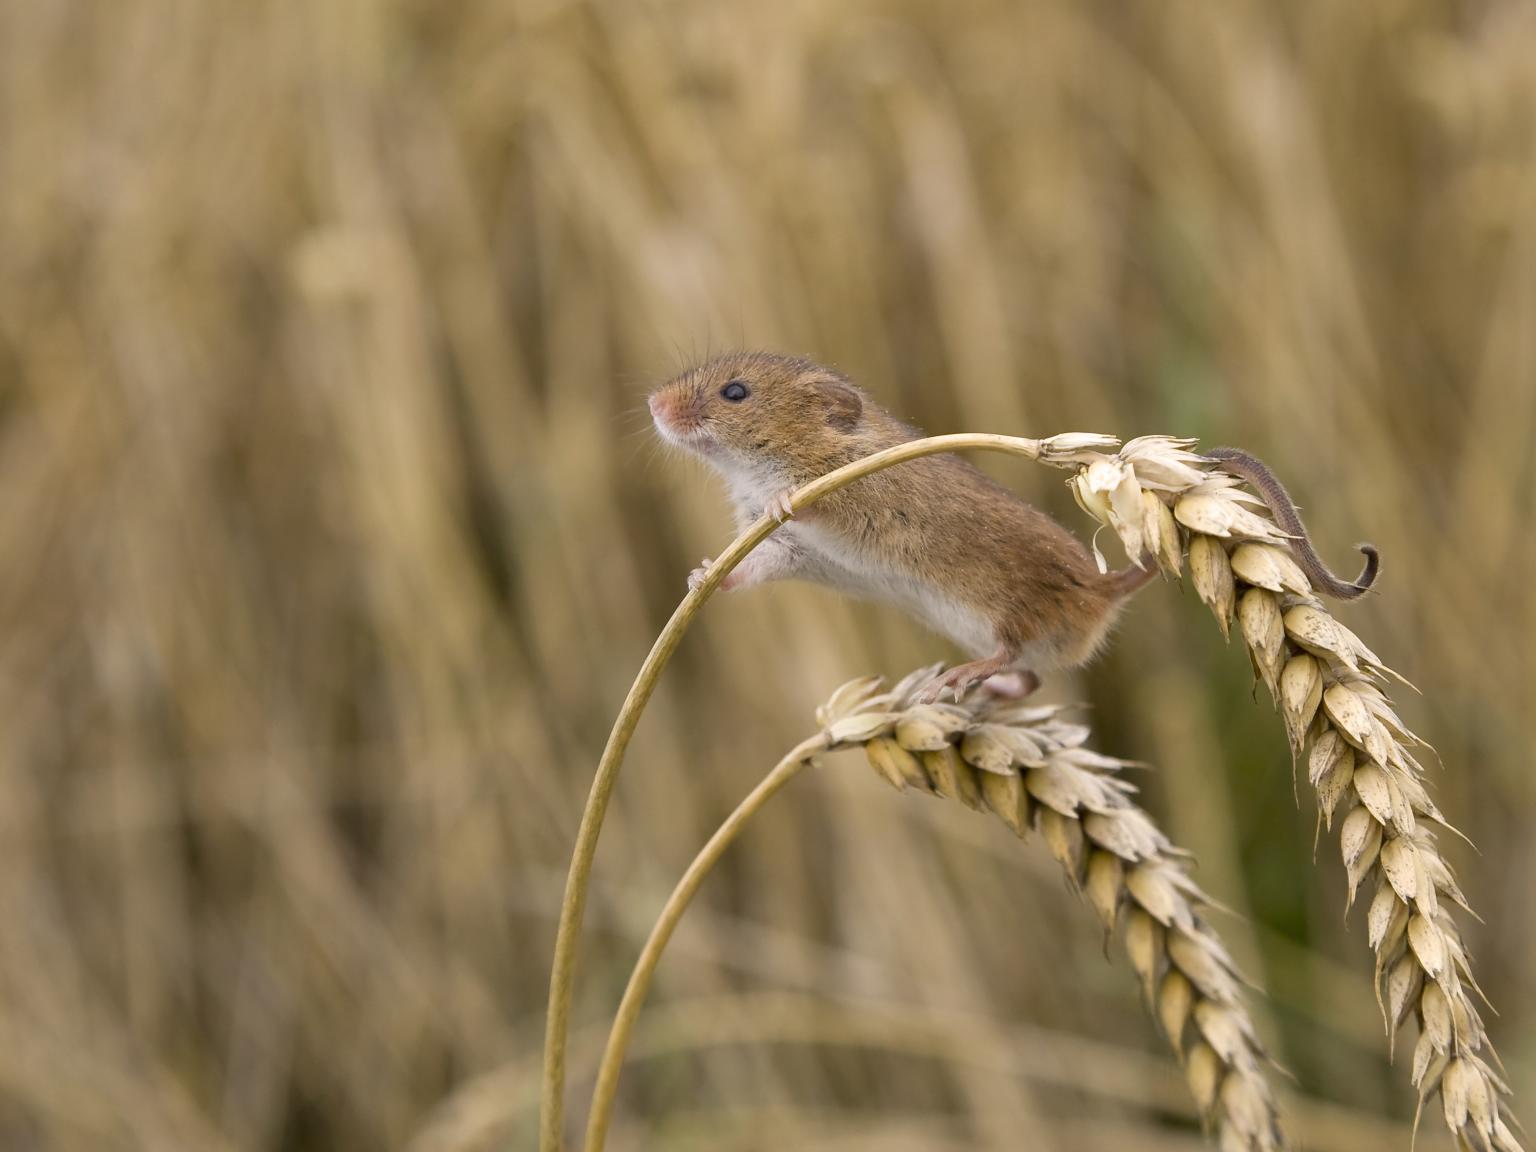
[(697, 577), (929, 694), (781, 508)]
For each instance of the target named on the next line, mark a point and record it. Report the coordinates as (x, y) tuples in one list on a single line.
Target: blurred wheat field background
[(333, 532)]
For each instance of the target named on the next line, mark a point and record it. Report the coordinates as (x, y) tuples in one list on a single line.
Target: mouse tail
[(1283, 508), (1123, 583)]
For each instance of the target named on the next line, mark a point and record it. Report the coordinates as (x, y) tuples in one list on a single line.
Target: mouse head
[(745, 410)]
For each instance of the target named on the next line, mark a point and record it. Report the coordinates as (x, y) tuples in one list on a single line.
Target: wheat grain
[(1361, 761)]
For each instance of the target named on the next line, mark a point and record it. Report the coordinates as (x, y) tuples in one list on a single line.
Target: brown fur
[(937, 522)]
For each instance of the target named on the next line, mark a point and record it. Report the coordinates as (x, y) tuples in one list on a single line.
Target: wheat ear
[(1029, 767), (1161, 498)]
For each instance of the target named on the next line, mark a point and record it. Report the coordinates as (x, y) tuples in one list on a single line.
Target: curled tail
[(1257, 473)]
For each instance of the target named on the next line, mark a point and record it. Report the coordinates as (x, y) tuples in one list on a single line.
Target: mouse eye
[(735, 392)]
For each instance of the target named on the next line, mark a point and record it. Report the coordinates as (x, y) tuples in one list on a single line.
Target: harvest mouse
[(934, 536)]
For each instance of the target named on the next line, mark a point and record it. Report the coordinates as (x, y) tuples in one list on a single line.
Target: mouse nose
[(675, 414), (661, 411)]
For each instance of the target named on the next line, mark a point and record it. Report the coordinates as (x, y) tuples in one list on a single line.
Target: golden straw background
[(332, 531)]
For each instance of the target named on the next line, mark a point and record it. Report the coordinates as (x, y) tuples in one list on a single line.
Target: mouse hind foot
[(959, 678)]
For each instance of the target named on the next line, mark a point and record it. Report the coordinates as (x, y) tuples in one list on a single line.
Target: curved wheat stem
[(601, 1112), (1159, 496), (1030, 767), (1057, 450)]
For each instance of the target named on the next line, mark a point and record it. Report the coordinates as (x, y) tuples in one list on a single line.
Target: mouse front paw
[(697, 577), (781, 507)]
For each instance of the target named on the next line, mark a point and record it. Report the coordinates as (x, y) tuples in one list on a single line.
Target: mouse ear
[(844, 404)]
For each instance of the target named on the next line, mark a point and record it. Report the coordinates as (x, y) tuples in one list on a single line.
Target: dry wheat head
[(1029, 766), (1164, 500)]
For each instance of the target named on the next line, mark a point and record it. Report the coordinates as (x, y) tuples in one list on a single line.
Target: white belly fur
[(841, 568), (831, 562)]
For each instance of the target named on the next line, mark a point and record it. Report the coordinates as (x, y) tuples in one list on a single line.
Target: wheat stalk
[(1161, 498), (562, 975)]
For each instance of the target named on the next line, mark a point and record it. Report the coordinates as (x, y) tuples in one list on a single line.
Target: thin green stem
[(573, 906), (603, 1096)]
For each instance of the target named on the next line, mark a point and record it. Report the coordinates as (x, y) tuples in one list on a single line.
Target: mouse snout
[(675, 415), (663, 410)]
